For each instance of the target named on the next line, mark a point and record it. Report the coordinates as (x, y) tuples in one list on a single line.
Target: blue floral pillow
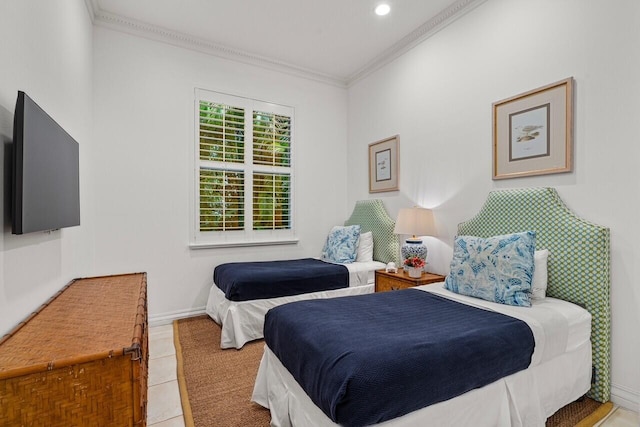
[(342, 244), (497, 269)]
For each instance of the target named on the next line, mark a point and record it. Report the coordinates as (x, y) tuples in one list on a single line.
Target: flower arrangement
[(414, 261)]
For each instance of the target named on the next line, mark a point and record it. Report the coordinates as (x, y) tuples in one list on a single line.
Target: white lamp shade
[(415, 221)]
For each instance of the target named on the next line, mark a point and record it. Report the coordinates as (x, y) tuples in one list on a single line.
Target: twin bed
[(243, 293), (430, 356)]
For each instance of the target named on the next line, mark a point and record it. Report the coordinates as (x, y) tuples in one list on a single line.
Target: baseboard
[(168, 317), (625, 397)]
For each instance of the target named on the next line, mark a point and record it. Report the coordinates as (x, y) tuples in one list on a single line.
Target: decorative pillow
[(365, 247), (342, 244), (539, 284), (498, 269)]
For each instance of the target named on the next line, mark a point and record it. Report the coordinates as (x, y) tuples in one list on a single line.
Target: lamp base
[(413, 248)]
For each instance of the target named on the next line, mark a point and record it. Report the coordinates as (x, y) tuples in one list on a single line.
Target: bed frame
[(578, 264), (372, 216)]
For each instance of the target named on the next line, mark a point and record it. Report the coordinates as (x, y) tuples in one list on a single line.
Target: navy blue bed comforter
[(243, 281), (371, 358)]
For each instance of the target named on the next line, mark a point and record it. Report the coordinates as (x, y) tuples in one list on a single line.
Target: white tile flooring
[(165, 410), (163, 407)]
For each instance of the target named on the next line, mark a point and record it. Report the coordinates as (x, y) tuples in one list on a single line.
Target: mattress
[(559, 373), (243, 321)]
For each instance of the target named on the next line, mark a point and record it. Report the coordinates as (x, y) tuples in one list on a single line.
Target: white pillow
[(365, 247), (539, 282)]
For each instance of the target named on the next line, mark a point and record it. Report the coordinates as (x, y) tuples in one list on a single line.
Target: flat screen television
[(46, 185)]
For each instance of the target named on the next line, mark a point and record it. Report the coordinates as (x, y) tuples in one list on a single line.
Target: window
[(244, 171)]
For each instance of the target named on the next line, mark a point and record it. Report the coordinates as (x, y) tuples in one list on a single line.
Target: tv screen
[(46, 186)]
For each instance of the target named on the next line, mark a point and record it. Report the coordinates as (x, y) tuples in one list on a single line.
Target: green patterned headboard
[(578, 264), (372, 216)]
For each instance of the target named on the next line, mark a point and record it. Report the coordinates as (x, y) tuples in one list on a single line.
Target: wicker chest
[(81, 359)]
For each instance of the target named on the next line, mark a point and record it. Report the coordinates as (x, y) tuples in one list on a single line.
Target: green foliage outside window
[(271, 139), (221, 134), (221, 200), (271, 201)]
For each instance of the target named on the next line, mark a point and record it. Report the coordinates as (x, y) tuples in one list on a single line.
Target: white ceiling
[(334, 40)]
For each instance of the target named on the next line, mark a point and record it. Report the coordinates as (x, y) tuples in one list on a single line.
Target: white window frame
[(248, 236)]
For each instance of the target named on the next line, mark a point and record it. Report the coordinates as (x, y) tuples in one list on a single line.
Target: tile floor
[(164, 408)]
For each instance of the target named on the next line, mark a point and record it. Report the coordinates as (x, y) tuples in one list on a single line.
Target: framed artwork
[(533, 132), (384, 165)]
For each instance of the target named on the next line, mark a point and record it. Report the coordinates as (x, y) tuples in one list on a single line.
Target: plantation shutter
[(221, 200), (271, 188), (271, 201), (243, 172), (271, 139), (221, 142)]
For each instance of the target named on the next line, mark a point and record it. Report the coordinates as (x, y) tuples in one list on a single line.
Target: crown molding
[(411, 40), (153, 32), (92, 6)]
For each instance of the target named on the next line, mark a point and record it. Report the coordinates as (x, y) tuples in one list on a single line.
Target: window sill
[(293, 241)]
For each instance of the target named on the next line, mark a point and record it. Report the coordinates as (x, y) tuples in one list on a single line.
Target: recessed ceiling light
[(383, 9)]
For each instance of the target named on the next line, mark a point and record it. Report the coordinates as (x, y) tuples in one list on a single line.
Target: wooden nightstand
[(401, 280)]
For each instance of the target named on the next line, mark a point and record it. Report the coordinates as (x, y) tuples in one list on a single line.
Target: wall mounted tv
[(46, 185)]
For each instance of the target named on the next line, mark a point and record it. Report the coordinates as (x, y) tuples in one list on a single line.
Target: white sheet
[(363, 273), (555, 378), (558, 326), (242, 321)]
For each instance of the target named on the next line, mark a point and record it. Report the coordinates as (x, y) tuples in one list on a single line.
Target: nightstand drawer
[(384, 284), (401, 280)]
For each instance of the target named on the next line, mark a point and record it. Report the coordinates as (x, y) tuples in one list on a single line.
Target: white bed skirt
[(525, 399), (243, 321)]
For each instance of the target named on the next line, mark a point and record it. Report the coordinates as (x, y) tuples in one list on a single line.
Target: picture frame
[(384, 165), (533, 132)]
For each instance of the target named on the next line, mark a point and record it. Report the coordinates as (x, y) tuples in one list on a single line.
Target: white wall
[(130, 108), (143, 118), (46, 51), (438, 97)]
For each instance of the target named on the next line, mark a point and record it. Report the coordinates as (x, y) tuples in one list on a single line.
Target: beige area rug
[(216, 385), (585, 413)]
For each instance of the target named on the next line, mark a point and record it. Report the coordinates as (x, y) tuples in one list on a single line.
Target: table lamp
[(414, 221)]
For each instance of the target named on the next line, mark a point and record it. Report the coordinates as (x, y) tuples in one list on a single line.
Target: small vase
[(415, 272)]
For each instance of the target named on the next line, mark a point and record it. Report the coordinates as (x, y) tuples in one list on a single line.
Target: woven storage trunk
[(81, 359)]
